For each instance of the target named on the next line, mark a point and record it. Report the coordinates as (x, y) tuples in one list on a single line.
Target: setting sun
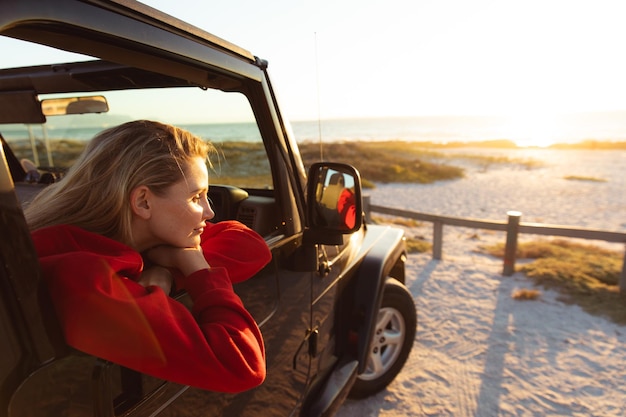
[(527, 129)]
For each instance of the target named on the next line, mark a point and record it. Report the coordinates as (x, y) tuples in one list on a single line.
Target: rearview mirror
[(74, 105), (334, 201)]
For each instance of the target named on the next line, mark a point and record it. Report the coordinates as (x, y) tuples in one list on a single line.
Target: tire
[(393, 339)]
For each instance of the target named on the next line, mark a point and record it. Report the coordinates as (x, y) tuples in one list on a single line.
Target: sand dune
[(479, 352)]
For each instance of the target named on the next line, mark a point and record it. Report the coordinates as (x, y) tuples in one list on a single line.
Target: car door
[(333, 271), (279, 297), (279, 302), (243, 188)]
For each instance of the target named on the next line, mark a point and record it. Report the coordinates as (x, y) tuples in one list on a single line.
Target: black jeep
[(335, 315)]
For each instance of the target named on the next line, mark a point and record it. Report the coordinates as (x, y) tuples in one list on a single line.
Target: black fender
[(386, 255)]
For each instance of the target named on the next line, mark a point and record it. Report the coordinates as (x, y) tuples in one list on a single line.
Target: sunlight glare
[(533, 129)]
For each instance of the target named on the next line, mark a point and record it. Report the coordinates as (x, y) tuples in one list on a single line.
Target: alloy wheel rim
[(387, 344)]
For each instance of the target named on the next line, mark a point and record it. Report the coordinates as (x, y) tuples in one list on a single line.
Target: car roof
[(135, 46), (128, 33), (17, 16)]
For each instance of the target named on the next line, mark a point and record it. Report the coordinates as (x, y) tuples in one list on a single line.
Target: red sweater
[(106, 313)]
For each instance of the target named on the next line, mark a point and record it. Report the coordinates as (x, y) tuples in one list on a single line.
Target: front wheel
[(391, 342)]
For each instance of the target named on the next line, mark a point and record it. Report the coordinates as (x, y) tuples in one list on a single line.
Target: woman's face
[(179, 216)]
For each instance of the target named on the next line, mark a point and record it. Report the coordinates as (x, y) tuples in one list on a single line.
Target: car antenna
[(319, 119)]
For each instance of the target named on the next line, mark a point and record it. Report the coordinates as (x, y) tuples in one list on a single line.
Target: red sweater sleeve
[(234, 246), (105, 313)]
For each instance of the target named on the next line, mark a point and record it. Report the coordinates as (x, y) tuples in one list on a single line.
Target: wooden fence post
[(437, 240), (512, 230), (366, 209), (622, 279)]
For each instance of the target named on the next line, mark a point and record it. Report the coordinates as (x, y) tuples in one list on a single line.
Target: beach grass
[(586, 275), (412, 162), (377, 161), (583, 178), (385, 162), (525, 294), (398, 221), (64, 152), (413, 244), (591, 145), (486, 161)]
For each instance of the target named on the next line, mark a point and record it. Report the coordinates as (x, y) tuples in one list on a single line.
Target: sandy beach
[(478, 351)]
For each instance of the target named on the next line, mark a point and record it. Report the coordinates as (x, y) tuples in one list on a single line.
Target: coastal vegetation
[(408, 162), (414, 244), (582, 178), (383, 162), (525, 294), (591, 145), (585, 275), (63, 152), (378, 161)]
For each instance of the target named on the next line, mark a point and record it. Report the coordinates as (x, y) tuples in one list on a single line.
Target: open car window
[(223, 118), (58, 142)]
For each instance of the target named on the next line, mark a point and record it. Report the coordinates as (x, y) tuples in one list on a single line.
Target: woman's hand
[(157, 275), (186, 260)]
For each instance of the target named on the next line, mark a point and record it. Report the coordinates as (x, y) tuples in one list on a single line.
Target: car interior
[(25, 115)]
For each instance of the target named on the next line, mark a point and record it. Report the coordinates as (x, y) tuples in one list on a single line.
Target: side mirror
[(334, 202)]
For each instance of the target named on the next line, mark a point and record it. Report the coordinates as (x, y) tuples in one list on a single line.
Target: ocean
[(607, 126)]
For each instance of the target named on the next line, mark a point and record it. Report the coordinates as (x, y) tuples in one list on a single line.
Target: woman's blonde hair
[(95, 193)]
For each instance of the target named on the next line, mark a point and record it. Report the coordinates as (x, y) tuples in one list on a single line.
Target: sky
[(366, 58)]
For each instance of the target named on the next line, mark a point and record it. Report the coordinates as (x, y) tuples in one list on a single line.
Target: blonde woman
[(127, 225)]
